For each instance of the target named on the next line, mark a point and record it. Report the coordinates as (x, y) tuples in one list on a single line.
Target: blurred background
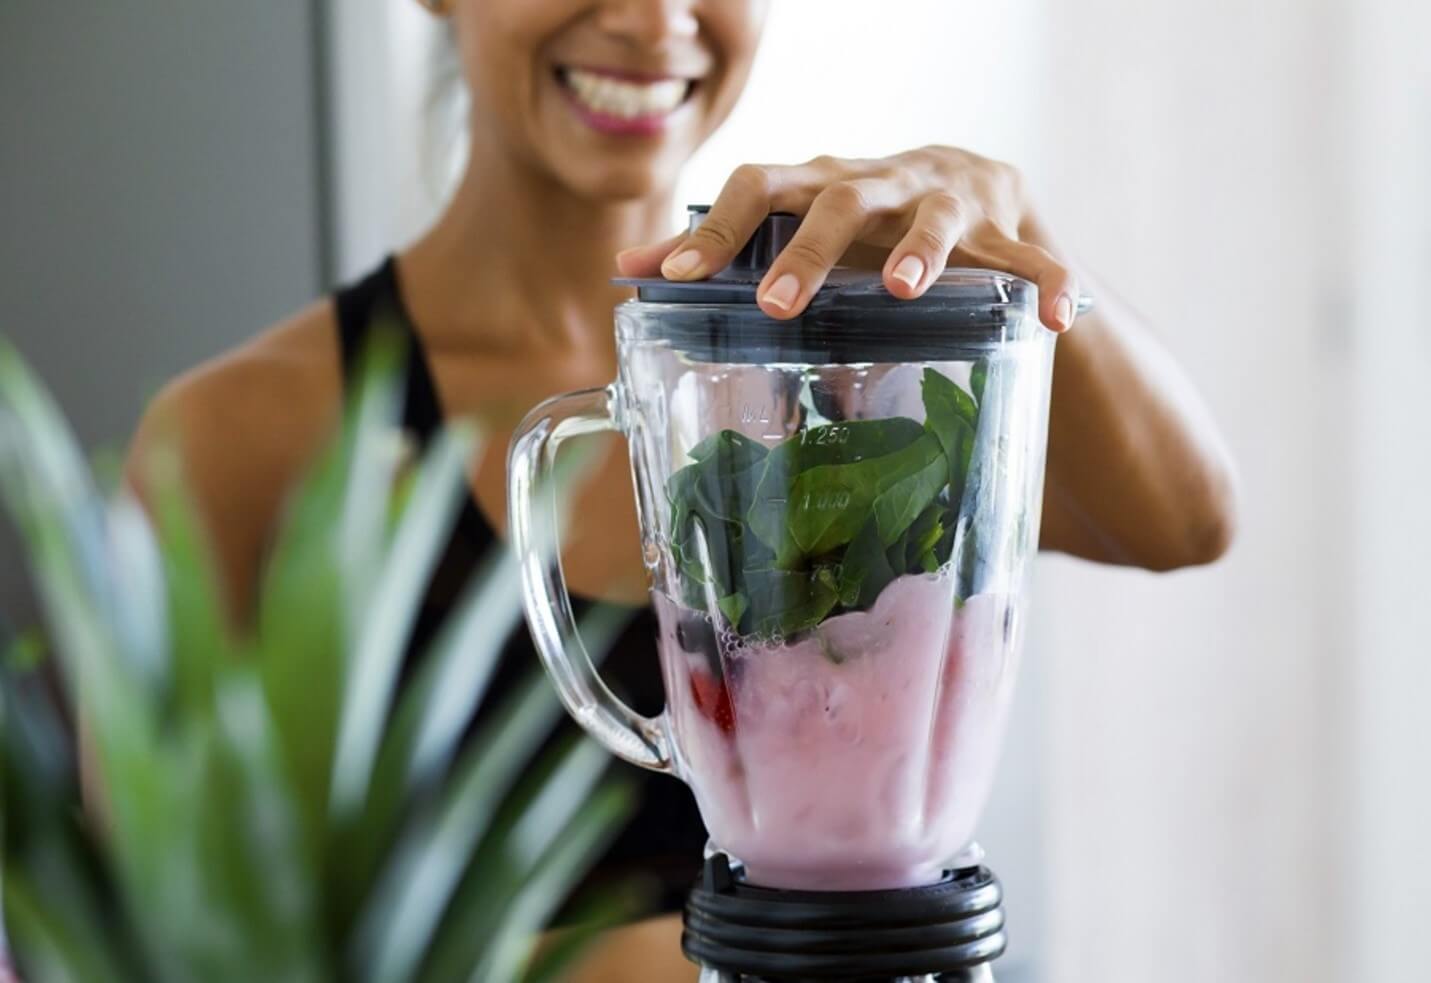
[(1220, 774)]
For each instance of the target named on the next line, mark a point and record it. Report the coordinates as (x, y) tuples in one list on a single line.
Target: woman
[(583, 111)]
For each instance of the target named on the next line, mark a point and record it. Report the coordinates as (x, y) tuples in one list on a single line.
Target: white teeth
[(625, 99)]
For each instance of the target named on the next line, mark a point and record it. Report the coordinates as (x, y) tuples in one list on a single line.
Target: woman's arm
[(1138, 473)]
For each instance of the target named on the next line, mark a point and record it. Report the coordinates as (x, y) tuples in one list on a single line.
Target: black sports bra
[(662, 844)]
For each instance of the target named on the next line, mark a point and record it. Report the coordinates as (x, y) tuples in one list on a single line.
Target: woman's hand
[(918, 210)]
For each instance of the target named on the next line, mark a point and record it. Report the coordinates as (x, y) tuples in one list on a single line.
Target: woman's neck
[(518, 262)]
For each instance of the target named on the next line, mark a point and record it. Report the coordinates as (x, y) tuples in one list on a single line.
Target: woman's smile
[(622, 102)]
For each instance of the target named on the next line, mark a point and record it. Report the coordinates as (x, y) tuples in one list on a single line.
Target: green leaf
[(407, 906), (816, 486), (708, 502), (944, 399), (865, 570), (434, 710), (978, 376), (553, 812), (216, 858), (732, 449), (255, 866), (425, 867), (923, 549), (57, 944), (298, 648), (830, 503), (590, 919), (25, 652), (320, 577), (199, 633), (897, 507), (570, 852), (733, 606), (379, 648), (953, 417), (784, 603)]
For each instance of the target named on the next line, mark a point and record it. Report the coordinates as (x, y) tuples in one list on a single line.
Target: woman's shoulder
[(269, 390), (244, 426)]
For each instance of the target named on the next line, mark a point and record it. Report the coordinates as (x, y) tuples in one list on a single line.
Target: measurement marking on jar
[(825, 500), (828, 436)]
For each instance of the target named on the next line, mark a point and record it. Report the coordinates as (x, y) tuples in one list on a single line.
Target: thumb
[(642, 261)]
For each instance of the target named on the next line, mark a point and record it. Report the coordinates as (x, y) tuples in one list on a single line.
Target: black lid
[(775, 935), (851, 319), (956, 291)]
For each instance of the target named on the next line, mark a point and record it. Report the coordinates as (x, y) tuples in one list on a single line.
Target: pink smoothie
[(856, 757)]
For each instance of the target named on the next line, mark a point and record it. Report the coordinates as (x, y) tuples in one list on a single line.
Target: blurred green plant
[(276, 806)]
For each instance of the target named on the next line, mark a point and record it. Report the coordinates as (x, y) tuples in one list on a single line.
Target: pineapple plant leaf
[(278, 803)]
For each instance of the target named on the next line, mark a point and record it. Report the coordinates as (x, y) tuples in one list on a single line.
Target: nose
[(649, 22)]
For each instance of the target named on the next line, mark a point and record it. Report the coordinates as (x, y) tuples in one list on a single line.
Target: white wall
[(851, 78), (1195, 721), (1387, 677), (1241, 755)]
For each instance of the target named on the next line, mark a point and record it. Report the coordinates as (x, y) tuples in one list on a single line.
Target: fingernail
[(783, 292), (909, 271), (1063, 311), (685, 263)]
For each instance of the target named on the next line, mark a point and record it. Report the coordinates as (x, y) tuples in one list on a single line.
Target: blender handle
[(638, 739)]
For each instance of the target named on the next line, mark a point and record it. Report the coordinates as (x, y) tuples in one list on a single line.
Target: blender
[(838, 515)]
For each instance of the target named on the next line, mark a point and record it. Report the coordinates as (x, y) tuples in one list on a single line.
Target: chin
[(616, 181)]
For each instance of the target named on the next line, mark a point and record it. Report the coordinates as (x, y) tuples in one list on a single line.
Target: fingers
[(846, 204), (643, 261), (835, 220), (738, 211), (1057, 284), (939, 224)]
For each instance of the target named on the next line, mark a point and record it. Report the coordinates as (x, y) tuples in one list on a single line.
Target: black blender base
[(738, 932)]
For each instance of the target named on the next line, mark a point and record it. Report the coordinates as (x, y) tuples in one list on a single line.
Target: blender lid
[(972, 296)]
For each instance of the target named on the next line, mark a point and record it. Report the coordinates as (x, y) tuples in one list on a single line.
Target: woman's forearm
[(1138, 472)]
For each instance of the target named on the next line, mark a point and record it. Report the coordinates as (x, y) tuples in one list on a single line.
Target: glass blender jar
[(838, 515)]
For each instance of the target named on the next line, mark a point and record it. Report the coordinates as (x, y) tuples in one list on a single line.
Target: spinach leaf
[(953, 417), (828, 503), (734, 450), (901, 503), (943, 400), (784, 603), (978, 376), (865, 570), (709, 499), (818, 486), (926, 537), (733, 606), (821, 523), (724, 474)]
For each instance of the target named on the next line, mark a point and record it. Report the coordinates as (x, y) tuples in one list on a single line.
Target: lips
[(621, 101)]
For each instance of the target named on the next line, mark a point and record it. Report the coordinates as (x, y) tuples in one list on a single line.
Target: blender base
[(741, 933)]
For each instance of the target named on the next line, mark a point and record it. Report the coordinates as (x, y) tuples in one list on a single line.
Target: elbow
[(1205, 526), (1209, 539)]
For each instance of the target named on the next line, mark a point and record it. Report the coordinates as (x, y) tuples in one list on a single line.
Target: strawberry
[(712, 699)]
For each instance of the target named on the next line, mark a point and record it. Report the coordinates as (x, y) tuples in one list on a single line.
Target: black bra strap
[(368, 305)]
